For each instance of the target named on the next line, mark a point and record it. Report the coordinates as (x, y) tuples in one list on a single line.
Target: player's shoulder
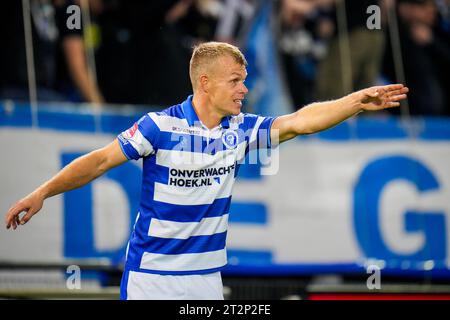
[(174, 111), (167, 118)]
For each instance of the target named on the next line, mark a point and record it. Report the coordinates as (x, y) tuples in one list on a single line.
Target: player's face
[(227, 88)]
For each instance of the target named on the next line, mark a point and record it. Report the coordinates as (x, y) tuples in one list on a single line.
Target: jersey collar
[(192, 117)]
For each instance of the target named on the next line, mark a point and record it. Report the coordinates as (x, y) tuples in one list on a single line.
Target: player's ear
[(204, 83)]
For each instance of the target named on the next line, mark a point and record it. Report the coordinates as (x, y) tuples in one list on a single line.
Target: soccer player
[(191, 154)]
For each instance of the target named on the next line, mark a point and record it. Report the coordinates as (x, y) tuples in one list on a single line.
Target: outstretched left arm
[(323, 115)]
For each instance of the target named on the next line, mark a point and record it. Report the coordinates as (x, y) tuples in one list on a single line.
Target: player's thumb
[(30, 213)]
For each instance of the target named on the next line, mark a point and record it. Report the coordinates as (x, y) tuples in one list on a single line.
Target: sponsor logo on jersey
[(198, 178), (130, 132), (185, 130)]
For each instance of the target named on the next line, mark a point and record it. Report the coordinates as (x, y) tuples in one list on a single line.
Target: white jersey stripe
[(254, 135), (184, 262), (185, 160), (165, 123), (184, 230), (179, 126), (142, 146)]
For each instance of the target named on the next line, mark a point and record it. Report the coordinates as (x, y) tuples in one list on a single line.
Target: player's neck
[(206, 113)]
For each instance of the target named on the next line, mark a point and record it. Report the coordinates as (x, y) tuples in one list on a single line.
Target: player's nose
[(244, 89)]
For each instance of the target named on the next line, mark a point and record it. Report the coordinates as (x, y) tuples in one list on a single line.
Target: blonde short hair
[(206, 53)]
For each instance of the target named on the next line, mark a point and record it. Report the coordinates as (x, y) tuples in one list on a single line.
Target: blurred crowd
[(137, 52), (328, 50)]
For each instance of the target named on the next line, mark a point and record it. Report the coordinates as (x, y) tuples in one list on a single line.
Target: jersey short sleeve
[(258, 130), (141, 139)]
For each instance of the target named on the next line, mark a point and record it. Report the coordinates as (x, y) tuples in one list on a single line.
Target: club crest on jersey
[(230, 139)]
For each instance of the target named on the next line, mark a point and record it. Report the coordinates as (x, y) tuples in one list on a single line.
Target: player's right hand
[(31, 204)]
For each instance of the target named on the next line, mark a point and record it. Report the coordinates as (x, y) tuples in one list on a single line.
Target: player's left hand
[(382, 97)]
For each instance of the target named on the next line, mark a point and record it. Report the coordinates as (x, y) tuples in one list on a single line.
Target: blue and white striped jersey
[(188, 176)]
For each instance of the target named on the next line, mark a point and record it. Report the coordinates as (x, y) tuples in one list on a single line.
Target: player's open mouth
[(238, 101)]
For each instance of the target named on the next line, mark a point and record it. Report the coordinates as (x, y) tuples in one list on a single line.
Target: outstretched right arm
[(76, 174)]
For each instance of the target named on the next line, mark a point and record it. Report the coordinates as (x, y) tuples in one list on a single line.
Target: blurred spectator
[(13, 63), (426, 57), (302, 34), (234, 18), (197, 20), (162, 33), (59, 57), (442, 30), (366, 49), (73, 76), (146, 45), (221, 20)]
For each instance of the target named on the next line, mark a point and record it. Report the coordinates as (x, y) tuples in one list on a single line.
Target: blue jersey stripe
[(189, 112), (174, 111), (161, 174), (128, 149), (130, 267), (149, 130), (125, 152), (195, 244)]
